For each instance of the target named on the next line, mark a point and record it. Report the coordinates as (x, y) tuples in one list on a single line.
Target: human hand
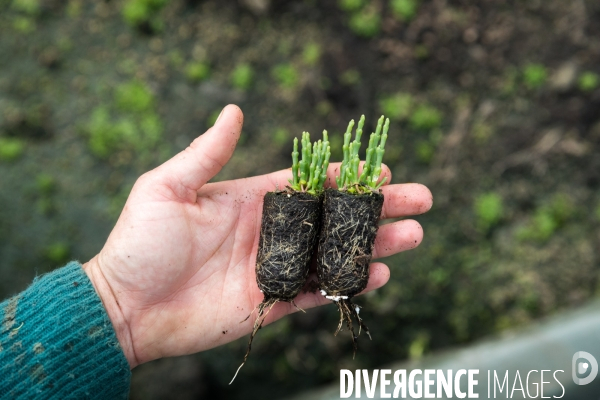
[(176, 274)]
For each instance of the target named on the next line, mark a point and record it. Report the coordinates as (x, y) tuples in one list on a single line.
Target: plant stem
[(346, 150), (379, 155), (295, 164)]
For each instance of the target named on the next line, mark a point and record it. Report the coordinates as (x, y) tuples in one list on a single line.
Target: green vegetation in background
[(588, 81), (509, 81), (489, 210), (46, 184), (547, 219), (23, 24), (11, 148), (421, 52), (351, 5), (46, 187), (280, 136), (212, 118), (242, 76), (398, 106), (73, 9), (418, 346), (421, 117), (365, 22), (402, 106), (134, 96), (311, 53), (286, 75), (143, 12), (481, 131), (424, 151), (176, 58), (350, 77), (57, 252), (28, 7), (132, 124), (534, 76), (425, 118), (404, 10), (197, 71)]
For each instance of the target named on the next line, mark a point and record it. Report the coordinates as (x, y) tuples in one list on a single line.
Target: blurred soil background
[(494, 106)]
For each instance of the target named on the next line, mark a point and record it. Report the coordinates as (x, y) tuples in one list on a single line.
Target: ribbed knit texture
[(57, 342)]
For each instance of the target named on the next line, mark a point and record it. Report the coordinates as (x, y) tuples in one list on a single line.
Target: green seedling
[(24, 24), (28, 7), (46, 184), (57, 252), (286, 75), (547, 219), (11, 148), (311, 53), (242, 76), (489, 210), (534, 76), (424, 151), (197, 71), (404, 10), (134, 96), (588, 81), (139, 12), (369, 178), (310, 171), (350, 222), (350, 77), (280, 137), (366, 22), (398, 106), (425, 118), (351, 5)]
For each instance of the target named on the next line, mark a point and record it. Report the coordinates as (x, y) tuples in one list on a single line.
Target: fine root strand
[(260, 318), (298, 308), (251, 312), (347, 313)]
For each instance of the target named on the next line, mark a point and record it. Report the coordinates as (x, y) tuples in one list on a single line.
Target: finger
[(396, 237), (405, 199), (207, 154)]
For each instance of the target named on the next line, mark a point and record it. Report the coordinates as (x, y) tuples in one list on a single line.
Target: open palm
[(176, 274)]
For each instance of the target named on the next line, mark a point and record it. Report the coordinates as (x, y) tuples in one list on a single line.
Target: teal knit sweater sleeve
[(57, 342)]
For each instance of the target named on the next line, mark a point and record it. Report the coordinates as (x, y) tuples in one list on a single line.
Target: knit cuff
[(56, 341)]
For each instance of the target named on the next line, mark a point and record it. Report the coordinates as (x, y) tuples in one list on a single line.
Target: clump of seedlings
[(288, 233), (349, 225)]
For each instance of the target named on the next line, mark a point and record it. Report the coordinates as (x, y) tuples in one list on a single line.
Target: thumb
[(207, 154)]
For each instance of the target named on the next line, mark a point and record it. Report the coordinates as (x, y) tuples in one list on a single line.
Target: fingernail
[(219, 117)]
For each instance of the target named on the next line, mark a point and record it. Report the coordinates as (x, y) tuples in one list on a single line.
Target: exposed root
[(251, 312), (349, 310), (267, 304), (297, 308)]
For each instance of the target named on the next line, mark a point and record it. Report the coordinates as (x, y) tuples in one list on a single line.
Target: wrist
[(111, 304)]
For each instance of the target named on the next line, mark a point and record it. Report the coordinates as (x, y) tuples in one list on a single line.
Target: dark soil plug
[(288, 233), (350, 222)]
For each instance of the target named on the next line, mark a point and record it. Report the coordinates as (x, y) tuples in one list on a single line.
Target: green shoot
[(309, 174), (349, 178)]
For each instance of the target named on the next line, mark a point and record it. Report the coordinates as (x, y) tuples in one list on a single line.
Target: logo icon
[(581, 367)]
